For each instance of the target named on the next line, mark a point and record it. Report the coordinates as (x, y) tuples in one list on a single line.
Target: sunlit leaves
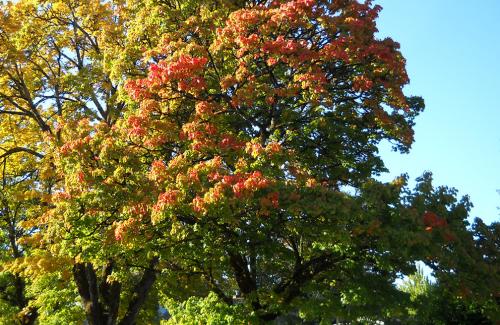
[(216, 146)]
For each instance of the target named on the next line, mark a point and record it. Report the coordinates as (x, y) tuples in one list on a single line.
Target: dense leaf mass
[(217, 159)]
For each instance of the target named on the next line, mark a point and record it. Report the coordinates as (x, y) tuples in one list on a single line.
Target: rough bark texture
[(101, 300)]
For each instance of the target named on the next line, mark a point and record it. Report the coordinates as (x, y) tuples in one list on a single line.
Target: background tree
[(433, 303)]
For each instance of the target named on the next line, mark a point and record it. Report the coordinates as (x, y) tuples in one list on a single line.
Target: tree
[(239, 159), (434, 303), (61, 61), (52, 69)]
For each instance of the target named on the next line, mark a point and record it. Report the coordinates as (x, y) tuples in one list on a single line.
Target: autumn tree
[(61, 61), (217, 157), (52, 69)]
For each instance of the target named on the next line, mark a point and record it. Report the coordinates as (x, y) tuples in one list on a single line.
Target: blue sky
[(452, 49)]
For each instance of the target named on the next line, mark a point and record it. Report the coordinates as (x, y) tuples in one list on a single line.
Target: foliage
[(207, 310), (218, 157), (433, 303)]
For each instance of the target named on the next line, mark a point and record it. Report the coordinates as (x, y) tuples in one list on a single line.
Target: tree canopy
[(217, 160)]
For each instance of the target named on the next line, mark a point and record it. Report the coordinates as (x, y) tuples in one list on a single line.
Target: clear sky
[(452, 49)]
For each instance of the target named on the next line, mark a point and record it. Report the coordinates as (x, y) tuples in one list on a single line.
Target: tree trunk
[(86, 281), (140, 293), (101, 300)]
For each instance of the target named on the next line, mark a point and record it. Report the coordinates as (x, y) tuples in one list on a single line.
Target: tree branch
[(305, 272), (86, 282), (20, 149), (110, 292), (140, 294)]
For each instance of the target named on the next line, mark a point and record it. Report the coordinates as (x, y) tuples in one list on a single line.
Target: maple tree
[(215, 158), (52, 68)]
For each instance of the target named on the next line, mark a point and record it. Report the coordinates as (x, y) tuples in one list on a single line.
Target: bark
[(20, 149), (29, 314), (101, 300), (242, 274), (141, 292), (244, 278), (303, 273), (86, 281), (29, 318), (110, 292)]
